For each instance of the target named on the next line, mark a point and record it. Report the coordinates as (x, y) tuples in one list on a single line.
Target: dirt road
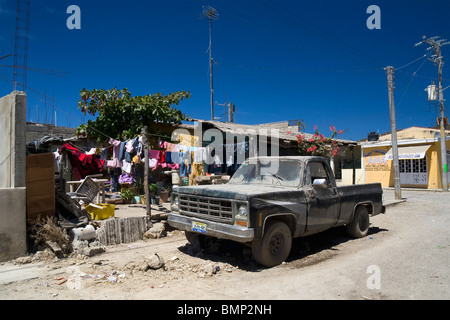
[(405, 256)]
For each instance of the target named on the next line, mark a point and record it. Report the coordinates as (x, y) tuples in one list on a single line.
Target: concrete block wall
[(12, 140), (12, 176)]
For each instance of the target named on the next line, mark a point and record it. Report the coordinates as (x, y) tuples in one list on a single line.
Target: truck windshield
[(279, 173)]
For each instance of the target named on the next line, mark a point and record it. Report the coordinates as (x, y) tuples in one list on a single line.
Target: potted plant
[(153, 189), (164, 194), (127, 195)]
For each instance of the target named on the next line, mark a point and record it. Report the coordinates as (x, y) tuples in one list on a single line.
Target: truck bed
[(351, 195)]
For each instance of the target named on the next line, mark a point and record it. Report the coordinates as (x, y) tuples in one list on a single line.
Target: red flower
[(332, 128)]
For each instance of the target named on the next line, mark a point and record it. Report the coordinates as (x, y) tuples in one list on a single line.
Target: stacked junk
[(74, 214)]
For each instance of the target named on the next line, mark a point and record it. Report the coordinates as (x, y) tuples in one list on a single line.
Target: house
[(419, 151), (280, 137)]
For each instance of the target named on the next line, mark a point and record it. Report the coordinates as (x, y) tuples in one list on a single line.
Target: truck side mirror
[(321, 183)]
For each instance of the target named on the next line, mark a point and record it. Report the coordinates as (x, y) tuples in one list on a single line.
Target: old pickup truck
[(266, 205)]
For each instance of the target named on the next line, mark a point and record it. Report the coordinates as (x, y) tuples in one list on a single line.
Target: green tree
[(119, 115)]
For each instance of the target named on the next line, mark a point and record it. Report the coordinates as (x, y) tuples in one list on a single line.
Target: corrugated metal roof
[(285, 132)]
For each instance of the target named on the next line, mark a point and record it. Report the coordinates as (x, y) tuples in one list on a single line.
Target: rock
[(45, 255), (23, 260), (55, 248), (158, 230), (92, 251), (144, 266), (155, 261), (79, 245), (209, 269)]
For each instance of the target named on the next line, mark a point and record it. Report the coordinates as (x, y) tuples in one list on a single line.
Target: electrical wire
[(413, 61), (410, 81), (45, 71)]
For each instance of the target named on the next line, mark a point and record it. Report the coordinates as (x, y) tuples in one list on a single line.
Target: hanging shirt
[(114, 163)]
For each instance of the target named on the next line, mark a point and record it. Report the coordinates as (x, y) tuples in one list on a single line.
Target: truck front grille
[(215, 209)]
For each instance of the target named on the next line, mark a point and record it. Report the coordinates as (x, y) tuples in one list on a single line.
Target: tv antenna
[(21, 42), (211, 14)]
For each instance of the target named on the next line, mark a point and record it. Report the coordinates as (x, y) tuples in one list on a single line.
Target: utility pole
[(390, 78), (435, 45), (229, 109)]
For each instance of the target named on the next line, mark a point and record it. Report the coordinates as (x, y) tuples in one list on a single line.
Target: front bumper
[(214, 229)]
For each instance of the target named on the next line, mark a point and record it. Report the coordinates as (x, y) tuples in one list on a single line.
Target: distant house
[(419, 152), (285, 134)]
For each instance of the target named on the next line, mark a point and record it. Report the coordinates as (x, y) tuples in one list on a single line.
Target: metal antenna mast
[(211, 13), (21, 42), (438, 60)]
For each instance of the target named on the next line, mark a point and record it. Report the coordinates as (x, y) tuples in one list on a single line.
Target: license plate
[(198, 227)]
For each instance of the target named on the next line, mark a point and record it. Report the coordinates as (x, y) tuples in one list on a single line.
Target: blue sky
[(275, 60)]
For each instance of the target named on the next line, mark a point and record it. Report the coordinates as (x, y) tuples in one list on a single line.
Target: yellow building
[(419, 151)]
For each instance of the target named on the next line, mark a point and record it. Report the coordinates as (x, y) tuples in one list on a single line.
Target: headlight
[(243, 211), (175, 202)]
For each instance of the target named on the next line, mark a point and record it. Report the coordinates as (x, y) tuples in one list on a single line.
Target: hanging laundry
[(199, 155), (126, 166), (169, 146), (126, 178), (82, 164), (114, 163), (154, 158)]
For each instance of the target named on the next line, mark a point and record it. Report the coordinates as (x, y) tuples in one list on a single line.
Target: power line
[(264, 68), (396, 69), (46, 71)]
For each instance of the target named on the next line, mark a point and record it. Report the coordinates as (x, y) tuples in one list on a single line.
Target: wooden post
[(146, 169)]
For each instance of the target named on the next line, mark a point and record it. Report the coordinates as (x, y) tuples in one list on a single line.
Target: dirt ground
[(408, 246)]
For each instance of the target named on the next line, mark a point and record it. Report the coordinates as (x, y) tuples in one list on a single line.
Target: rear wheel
[(359, 227), (275, 245)]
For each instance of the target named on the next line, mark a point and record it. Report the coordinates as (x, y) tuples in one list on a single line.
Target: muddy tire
[(359, 227), (275, 245)]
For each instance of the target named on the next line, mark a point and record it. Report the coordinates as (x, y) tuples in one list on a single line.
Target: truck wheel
[(359, 227), (275, 245)]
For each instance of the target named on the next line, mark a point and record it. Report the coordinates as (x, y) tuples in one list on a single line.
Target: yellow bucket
[(106, 211)]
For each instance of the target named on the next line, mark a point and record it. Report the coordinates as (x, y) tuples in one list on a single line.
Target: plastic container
[(175, 178), (86, 233), (105, 212)]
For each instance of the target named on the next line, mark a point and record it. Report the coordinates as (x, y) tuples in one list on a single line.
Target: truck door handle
[(311, 193)]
